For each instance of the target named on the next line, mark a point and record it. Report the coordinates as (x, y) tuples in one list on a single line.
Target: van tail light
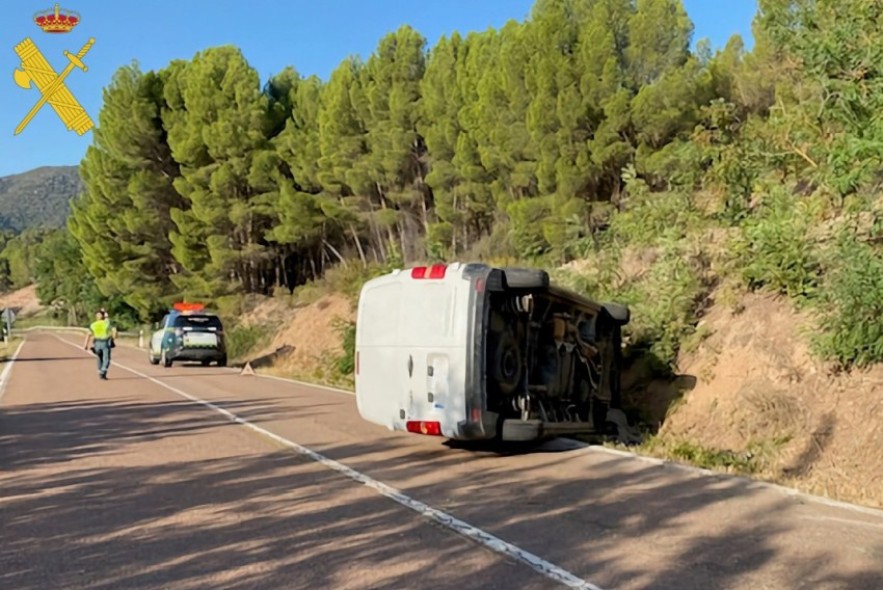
[(420, 427), (436, 271)]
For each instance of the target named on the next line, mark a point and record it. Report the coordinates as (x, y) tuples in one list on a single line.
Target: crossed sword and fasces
[(69, 110)]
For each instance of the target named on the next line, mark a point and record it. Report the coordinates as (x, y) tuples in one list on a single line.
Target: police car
[(188, 333)]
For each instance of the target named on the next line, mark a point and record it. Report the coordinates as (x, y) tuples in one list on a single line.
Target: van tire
[(507, 367), (514, 430), (526, 278), (620, 313)]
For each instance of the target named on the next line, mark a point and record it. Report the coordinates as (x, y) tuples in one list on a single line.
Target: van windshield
[(198, 321)]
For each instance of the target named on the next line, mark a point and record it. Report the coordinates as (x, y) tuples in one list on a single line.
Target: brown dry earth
[(125, 484), (757, 388)]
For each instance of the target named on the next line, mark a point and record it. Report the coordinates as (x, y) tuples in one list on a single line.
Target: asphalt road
[(130, 483)]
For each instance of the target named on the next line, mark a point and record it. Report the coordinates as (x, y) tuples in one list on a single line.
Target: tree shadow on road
[(207, 513), (58, 432)]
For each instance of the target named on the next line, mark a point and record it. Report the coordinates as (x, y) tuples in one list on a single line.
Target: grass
[(7, 349)]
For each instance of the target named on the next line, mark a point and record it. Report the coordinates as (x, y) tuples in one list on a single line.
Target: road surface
[(143, 481)]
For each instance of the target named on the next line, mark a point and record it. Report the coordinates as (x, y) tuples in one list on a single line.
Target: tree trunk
[(358, 245), (334, 251)]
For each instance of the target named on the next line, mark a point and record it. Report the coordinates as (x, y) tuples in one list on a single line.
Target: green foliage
[(850, 331), (774, 249), (708, 458), (18, 258), (242, 340), (649, 217), (664, 304), (346, 362)]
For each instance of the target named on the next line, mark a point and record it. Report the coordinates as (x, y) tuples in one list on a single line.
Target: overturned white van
[(475, 352)]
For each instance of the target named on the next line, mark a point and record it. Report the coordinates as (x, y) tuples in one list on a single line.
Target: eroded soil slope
[(757, 392)]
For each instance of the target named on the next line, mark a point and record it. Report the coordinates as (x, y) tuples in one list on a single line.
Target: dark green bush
[(851, 305), (346, 362)]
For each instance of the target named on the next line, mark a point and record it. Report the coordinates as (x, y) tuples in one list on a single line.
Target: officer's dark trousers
[(102, 352)]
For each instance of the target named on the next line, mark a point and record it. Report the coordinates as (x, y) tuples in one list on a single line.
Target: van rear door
[(410, 350)]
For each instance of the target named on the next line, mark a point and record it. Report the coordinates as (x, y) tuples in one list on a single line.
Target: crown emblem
[(56, 21)]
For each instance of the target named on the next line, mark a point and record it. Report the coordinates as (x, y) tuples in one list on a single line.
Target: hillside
[(37, 198)]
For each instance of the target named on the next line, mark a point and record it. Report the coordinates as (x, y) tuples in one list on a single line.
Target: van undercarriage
[(552, 364)]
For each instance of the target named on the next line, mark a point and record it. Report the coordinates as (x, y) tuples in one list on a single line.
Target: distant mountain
[(38, 198)]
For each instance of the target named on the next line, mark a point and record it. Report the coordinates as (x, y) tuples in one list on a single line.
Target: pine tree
[(220, 124), (123, 218)]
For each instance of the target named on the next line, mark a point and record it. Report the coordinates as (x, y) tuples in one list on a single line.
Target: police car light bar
[(188, 306)]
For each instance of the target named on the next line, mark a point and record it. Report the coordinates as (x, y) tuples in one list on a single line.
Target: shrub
[(346, 362), (851, 305), (243, 339), (664, 305), (650, 217), (773, 249)]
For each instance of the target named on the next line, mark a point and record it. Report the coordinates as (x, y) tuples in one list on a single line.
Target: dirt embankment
[(758, 392), (24, 300), (307, 339)]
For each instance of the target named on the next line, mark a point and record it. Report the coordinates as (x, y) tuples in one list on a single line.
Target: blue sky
[(312, 36)]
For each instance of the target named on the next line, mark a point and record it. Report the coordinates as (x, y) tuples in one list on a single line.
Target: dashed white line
[(538, 564)]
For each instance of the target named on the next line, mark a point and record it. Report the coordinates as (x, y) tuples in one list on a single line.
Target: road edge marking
[(492, 542), (749, 482), (7, 370), (665, 463)]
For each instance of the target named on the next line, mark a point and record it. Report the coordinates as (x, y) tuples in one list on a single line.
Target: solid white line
[(465, 529), (8, 368)]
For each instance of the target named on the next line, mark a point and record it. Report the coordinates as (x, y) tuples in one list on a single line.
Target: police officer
[(100, 336)]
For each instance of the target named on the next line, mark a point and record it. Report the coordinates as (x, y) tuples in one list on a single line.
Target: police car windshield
[(197, 321)]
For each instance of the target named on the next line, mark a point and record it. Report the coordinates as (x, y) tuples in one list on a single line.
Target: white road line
[(6, 370), (460, 527), (664, 463)]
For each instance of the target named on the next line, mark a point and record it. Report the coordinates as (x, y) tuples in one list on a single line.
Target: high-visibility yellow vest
[(100, 329)]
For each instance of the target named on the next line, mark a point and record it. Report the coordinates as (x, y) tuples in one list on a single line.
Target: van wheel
[(620, 313), (165, 360), (152, 359), (507, 367), (222, 362), (526, 278)]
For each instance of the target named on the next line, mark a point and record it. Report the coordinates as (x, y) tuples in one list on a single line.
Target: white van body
[(474, 352), (411, 347)]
